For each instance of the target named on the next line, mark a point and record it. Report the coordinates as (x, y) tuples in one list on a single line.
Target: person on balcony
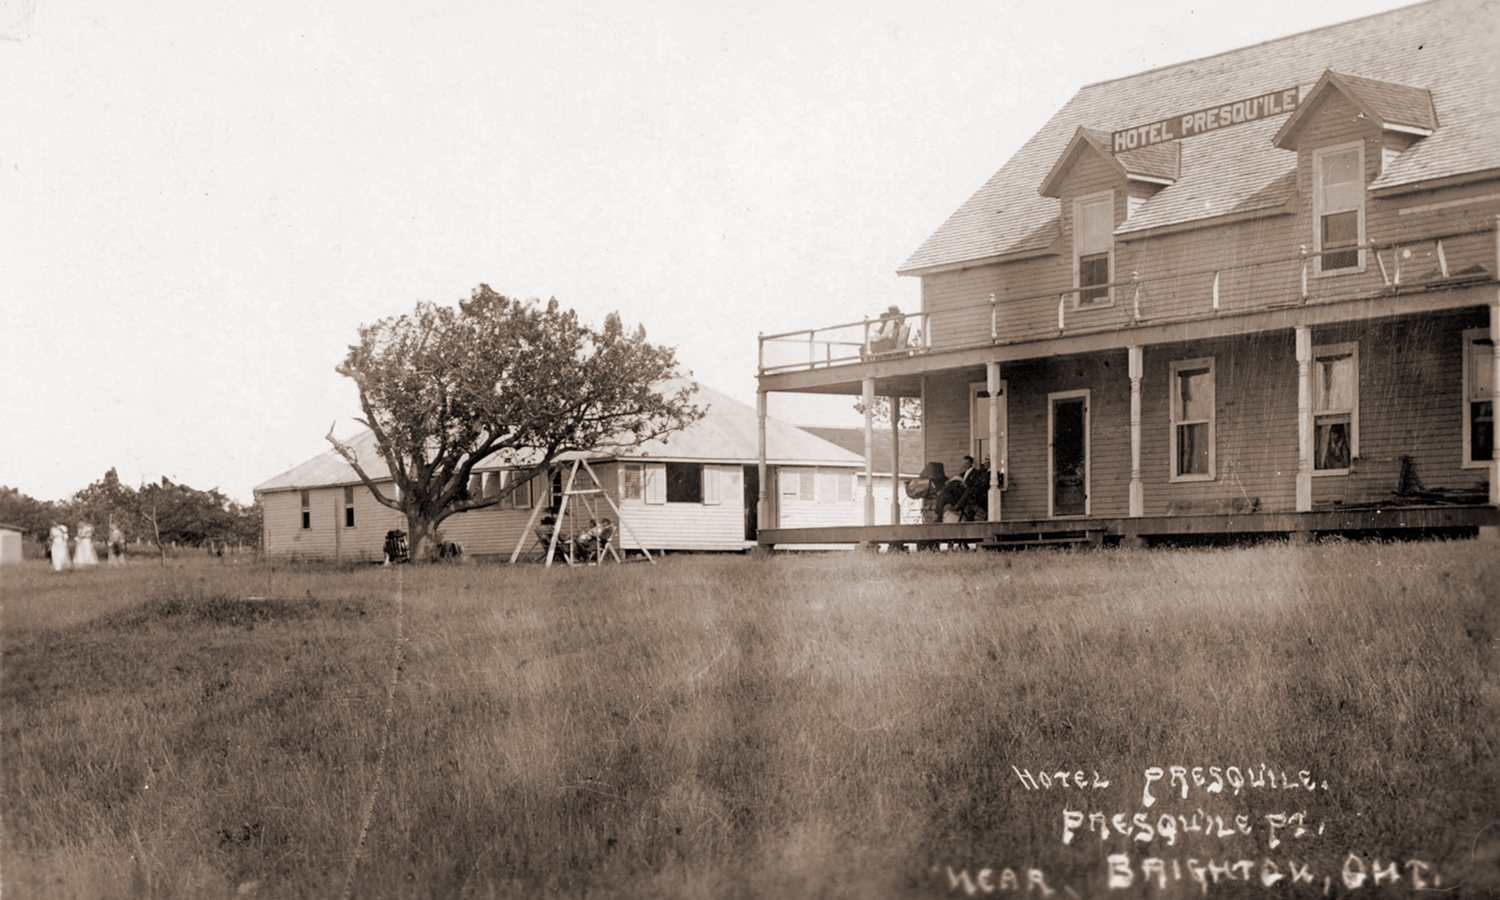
[(891, 333)]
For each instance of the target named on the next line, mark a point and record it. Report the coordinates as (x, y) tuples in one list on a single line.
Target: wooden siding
[(911, 510), (945, 425), (1410, 405), (682, 526), (1106, 378), (328, 537), (1255, 427)]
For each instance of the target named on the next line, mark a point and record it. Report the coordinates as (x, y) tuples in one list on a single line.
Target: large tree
[(515, 382)]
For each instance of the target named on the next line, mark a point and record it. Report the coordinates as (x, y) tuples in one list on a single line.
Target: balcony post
[(895, 460), (868, 385), (1304, 419), (761, 521), (1137, 490)]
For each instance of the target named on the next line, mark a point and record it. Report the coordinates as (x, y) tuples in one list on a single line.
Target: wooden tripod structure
[(588, 496)]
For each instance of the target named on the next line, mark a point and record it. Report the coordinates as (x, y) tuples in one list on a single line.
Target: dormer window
[(1339, 206), (1094, 247)]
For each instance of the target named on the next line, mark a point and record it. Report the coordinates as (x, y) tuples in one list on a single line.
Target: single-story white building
[(910, 461), (11, 538), (695, 491)]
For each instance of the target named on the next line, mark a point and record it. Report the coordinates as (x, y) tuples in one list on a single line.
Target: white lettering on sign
[(1121, 872), (1044, 780), (1183, 779), (1205, 120)]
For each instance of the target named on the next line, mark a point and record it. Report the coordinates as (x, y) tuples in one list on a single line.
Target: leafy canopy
[(446, 388)]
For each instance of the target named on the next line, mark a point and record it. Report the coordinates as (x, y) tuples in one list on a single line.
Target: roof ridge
[(1275, 40)]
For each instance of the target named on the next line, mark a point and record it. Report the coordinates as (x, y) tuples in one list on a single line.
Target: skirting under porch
[(1396, 521)]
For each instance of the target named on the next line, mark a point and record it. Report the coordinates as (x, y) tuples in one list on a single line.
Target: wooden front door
[(1068, 444)]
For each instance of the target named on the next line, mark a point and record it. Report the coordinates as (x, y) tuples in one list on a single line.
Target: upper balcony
[(1410, 267)]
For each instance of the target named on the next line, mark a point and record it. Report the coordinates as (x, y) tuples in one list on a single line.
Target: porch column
[(1137, 491), (895, 460), (992, 387), (1304, 420), (760, 458), (869, 401)]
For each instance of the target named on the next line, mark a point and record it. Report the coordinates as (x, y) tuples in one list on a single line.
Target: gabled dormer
[(1345, 133), (1097, 190)]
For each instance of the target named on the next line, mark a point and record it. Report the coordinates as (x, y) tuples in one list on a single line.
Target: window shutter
[(654, 482), (808, 485), (630, 482), (791, 481), (711, 485), (846, 486)]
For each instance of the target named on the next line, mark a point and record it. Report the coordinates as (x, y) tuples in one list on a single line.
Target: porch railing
[(886, 337), (1417, 263)]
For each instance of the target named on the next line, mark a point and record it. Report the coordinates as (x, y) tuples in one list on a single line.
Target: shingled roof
[(1445, 49), (727, 433)]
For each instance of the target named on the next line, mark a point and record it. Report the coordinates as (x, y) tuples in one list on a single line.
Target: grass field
[(792, 726)]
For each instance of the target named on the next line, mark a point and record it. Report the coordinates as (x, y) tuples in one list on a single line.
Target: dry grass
[(793, 726)]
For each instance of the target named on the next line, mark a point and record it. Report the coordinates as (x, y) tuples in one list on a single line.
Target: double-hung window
[(1339, 207), (1093, 246), (1192, 439), (520, 498), (979, 427), (1479, 398), (348, 506), (306, 510), (1335, 399)]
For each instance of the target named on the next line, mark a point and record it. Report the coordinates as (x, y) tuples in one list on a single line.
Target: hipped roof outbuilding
[(727, 433)]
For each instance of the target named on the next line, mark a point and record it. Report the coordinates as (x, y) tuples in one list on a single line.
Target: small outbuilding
[(696, 491), (11, 538)]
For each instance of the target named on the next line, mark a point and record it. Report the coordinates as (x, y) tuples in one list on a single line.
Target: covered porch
[(1120, 357)]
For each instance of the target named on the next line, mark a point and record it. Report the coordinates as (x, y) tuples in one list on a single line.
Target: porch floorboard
[(1391, 519)]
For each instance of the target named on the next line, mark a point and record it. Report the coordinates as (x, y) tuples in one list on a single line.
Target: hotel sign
[(1205, 120)]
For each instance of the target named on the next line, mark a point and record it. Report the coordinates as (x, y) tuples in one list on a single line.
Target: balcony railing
[(888, 337), (1412, 265)]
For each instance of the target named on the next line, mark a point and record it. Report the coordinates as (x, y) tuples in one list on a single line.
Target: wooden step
[(1088, 537)]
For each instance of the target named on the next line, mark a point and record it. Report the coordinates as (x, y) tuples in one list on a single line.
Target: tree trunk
[(421, 538)]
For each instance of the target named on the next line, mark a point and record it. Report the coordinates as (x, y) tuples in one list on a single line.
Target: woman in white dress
[(59, 547), (83, 553)]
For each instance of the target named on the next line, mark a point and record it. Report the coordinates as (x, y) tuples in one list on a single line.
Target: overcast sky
[(200, 203)]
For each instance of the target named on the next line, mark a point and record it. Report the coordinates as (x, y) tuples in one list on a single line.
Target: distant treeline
[(160, 513)]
